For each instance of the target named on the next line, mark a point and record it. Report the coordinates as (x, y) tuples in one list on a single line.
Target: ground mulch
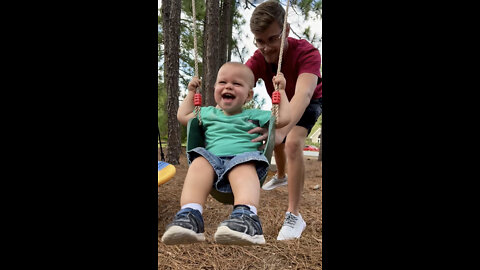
[(304, 253)]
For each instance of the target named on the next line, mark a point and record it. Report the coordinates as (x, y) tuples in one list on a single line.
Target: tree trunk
[(225, 31), (171, 27), (211, 52), (229, 30)]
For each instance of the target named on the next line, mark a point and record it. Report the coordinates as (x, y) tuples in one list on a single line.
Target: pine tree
[(171, 27)]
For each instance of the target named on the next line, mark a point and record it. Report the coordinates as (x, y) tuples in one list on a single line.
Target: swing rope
[(197, 99), (276, 93)]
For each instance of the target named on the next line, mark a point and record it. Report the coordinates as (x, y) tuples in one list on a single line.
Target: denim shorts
[(310, 116), (222, 165)]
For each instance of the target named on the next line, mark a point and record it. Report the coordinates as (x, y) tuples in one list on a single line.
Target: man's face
[(269, 42)]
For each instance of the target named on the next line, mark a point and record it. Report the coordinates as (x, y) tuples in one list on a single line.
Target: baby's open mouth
[(228, 96)]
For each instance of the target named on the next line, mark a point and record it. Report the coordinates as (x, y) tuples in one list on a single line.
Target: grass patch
[(317, 125)]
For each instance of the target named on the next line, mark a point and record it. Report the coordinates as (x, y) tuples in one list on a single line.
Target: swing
[(195, 132), (195, 138), (166, 171)]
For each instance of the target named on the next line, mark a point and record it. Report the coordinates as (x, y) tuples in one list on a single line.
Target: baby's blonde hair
[(248, 72)]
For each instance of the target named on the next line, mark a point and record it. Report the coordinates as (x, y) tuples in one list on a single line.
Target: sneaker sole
[(274, 186), (178, 235), (226, 236)]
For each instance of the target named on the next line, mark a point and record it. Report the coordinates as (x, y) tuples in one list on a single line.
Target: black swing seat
[(196, 138)]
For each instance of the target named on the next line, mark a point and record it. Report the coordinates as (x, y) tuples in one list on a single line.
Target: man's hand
[(262, 138), (259, 130), (279, 136)]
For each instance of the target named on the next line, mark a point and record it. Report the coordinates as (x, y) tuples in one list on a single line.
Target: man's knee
[(294, 147)]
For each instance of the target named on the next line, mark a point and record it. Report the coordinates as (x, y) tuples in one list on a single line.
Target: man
[(301, 68)]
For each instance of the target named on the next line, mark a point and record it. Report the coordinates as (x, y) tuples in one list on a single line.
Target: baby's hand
[(280, 80), (194, 84)]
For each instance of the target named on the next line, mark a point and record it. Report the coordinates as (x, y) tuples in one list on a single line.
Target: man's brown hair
[(265, 14)]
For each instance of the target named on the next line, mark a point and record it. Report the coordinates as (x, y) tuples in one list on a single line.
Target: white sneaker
[(292, 228), (275, 182)]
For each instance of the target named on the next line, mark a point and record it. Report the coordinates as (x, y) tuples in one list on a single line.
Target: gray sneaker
[(242, 228), (187, 227), (275, 182)]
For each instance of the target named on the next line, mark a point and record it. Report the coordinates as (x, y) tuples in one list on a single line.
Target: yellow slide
[(165, 172)]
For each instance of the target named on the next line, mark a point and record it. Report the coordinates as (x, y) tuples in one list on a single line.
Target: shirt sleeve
[(257, 64), (311, 61), (207, 113), (263, 117)]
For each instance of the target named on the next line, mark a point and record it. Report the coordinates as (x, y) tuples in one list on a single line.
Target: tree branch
[(248, 2), (295, 32), (238, 52), (293, 7)]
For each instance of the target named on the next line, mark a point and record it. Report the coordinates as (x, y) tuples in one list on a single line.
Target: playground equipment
[(166, 171)]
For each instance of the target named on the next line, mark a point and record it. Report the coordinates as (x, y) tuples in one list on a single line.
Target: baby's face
[(232, 89)]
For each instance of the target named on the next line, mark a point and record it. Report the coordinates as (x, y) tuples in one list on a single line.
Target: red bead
[(276, 97), (197, 99)]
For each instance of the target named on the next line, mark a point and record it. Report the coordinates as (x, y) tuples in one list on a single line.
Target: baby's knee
[(200, 163)]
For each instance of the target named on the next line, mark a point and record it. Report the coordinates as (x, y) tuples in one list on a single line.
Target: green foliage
[(255, 103), (199, 9), (163, 115), (313, 38), (317, 125), (162, 110), (307, 6)]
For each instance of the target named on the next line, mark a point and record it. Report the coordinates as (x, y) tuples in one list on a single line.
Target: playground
[(304, 253)]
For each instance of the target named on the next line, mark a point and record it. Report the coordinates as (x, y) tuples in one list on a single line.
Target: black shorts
[(310, 116)]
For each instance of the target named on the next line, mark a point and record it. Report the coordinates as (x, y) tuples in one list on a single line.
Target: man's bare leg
[(295, 166)]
